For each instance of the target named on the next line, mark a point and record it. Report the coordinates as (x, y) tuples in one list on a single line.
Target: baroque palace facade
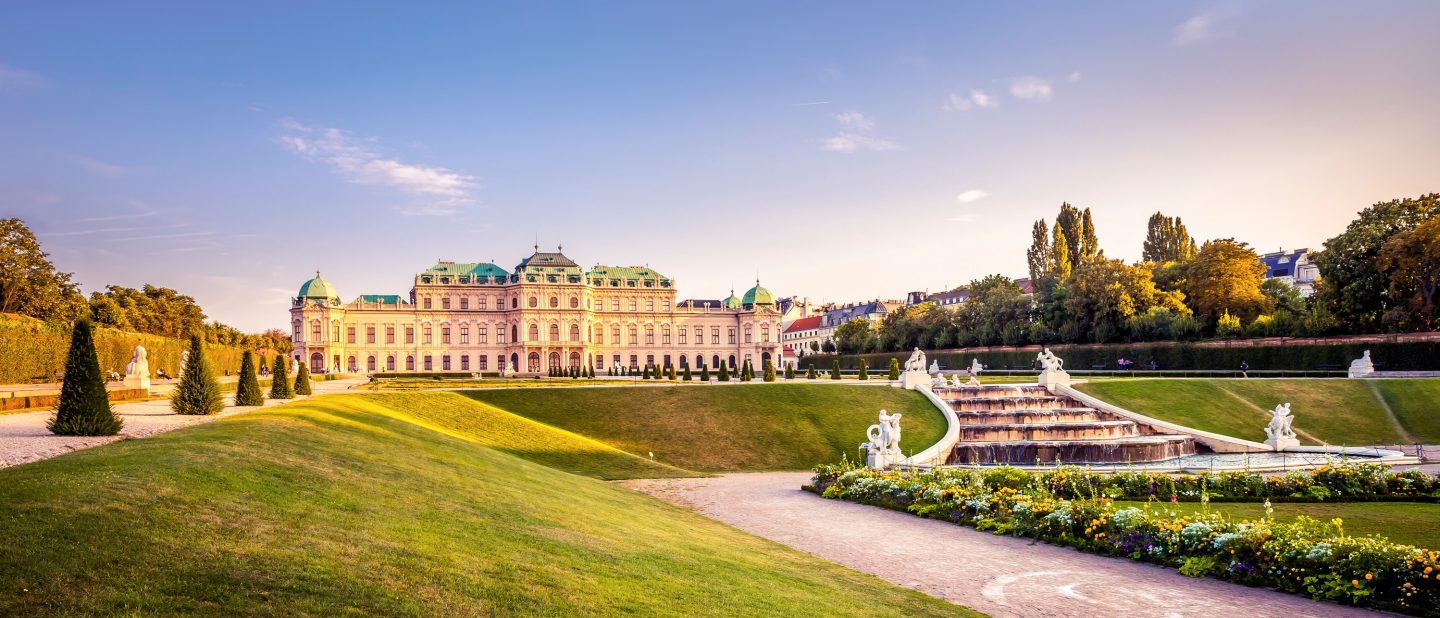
[(548, 313)]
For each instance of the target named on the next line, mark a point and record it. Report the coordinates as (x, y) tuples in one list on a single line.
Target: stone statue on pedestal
[(184, 358), (915, 376), (1052, 369), (1362, 367), (137, 373), (1280, 433), (975, 369), (883, 448)]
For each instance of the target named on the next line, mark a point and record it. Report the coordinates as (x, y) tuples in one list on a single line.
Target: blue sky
[(842, 151)]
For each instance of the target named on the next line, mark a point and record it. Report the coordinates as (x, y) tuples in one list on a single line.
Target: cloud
[(807, 104), (1074, 76), (102, 168), (19, 80), (977, 98), (1200, 29), (1031, 87), (971, 196), (848, 143), (855, 120), (357, 160)]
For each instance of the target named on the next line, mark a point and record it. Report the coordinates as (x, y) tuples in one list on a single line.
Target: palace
[(548, 313)]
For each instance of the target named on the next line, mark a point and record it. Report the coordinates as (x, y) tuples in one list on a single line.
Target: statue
[(916, 362), (184, 358), (1362, 367), (934, 368), (1280, 434), (975, 369), (915, 376), (1052, 370), (1049, 361), (137, 373), (885, 435)]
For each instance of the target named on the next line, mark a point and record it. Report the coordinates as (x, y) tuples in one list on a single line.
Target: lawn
[(418, 384), (1413, 523), (729, 428), (1334, 411), (343, 504)]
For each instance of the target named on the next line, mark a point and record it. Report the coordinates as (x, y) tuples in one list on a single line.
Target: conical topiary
[(724, 372), (247, 392), (198, 392), (280, 379), (810, 372), (84, 408), (835, 369), (670, 373), (894, 368), (769, 371), (864, 370), (704, 373), (686, 376), (302, 381)]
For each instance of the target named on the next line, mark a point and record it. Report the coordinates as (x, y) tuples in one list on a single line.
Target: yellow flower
[(1369, 576), (1355, 582)]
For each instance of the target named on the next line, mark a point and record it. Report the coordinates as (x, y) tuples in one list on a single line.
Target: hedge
[(434, 375), (1388, 356), (31, 349)]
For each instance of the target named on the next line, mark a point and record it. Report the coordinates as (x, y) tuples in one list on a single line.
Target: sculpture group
[(1052, 369), (883, 448), (1280, 434)]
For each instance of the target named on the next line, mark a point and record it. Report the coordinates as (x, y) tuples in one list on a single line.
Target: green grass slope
[(727, 428), (1412, 523), (340, 505), (1335, 411)]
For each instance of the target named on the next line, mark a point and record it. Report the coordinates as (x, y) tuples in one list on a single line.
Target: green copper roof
[(474, 269), (318, 288), (733, 302), (383, 299), (758, 296), (624, 272)]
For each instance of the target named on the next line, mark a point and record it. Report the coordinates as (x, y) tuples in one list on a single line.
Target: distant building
[(872, 311), (1294, 267), (797, 336), (954, 298)]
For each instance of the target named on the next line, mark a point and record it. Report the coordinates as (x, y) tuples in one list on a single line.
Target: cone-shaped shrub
[(302, 380), (671, 373), (84, 408), (864, 370), (686, 376), (810, 372), (789, 371), (769, 371), (198, 392), (704, 373), (279, 379), (724, 372), (894, 368), (835, 369), (247, 393)]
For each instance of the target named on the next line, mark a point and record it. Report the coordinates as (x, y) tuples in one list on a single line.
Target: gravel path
[(24, 438), (998, 575)]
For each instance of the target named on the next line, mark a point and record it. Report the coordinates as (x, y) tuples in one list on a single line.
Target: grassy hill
[(390, 505), (727, 428), (1336, 411)]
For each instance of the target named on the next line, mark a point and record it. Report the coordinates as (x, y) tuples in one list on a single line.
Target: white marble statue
[(1052, 370), (1049, 361), (885, 436), (975, 369), (1280, 433), (916, 361), (1362, 366), (934, 368), (137, 373), (184, 358)]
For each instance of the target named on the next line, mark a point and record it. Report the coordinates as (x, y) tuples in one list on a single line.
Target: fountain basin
[(1105, 451)]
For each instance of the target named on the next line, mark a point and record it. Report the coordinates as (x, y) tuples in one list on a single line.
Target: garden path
[(998, 575), (24, 438)]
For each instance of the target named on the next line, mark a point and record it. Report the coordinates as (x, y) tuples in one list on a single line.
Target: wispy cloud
[(855, 120), (1202, 28), (1032, 88), (971, 196), (146, 212), (1074, 76), (848, 143), (102, 230), (19, 80), (808, 103), (977, 98), (102, 168), (445, 191)]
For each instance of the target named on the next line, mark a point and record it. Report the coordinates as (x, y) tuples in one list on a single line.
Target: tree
[(789, 371), (814, 346), (1167, 240), (1412, 261), (84, 407), (864, 370), (280, 379), (853, 336), (29, 283), (670, 372), (1225, 277), (1060, 264), (1039, 256), (1281, 297), (1227, 326), (724, 372), (828, 347), (769, 371), (247, 392), (198, 392), (747, 374), (1100, 300), (302, 381), (835, 369), (1355, 288), (686, 375), (704, 373), (894, 369)]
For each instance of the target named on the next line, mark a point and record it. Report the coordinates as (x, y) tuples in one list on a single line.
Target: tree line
[(31, 285), (1380, 275)]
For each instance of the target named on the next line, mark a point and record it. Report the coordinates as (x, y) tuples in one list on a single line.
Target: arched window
[(554, 332), (314, 330), (514, 335), (554, 302), (574, 360), (534, 302), (732, 360), (409, 363), (335, 331), (390, 363), (554, 360), (534, 332), (715, 360), (574, 302), (699, 360), (574, 332), (534, 362)]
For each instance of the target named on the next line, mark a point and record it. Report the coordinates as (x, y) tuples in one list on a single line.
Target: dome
[(317, 288), (758, 296), (731, 303)]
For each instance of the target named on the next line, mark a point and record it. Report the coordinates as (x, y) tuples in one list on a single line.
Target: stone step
[(1053, 415), (991, 390), (1045, 452), (1049, 432), (981, 404)]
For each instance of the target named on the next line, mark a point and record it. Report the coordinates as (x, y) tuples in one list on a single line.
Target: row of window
[(461, 362), (482, 334), (482, 303)]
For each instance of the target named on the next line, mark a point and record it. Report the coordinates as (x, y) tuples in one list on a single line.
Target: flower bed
[(1307, 557)]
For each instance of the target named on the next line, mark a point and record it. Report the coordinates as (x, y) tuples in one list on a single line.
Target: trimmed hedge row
[(435, 375), (1399, 356), (31, 349)]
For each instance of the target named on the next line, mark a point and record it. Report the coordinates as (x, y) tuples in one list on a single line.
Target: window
[(370, 363), (715, 335), (747, 333), (665, 335), (482, 335), (427, 302), (732, 336), (500, 362), (464, 304), (632, 305), (390, 363), (484, 303), (615, 305), (481, 362), (649, 360), (554, 332), (427, 335), (574, 302), (667, 361), (699, 336), (429, 363), (445, 362), (615, 338), (349, 334), (369, 334), (314, 330), (335, 332), (464, 334), (514, 302), (682, 336), (634, 339), (445, 302), (649, 335), (665, 306), (409, 363), (297, 331), (615, 360), (574, 332), (514, 334), (534, 332), (390, 334), (649, 305), (554, 302), (633, 360), (445, 335), (534, 302), (465, 362), (765, 334)]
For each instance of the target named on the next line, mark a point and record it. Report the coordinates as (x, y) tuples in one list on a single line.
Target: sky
[(839, 151)]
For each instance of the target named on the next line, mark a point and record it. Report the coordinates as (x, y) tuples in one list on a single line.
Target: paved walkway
[(998, 575), (24, 438)]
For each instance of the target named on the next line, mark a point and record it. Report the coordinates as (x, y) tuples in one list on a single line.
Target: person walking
[(1244, 369)]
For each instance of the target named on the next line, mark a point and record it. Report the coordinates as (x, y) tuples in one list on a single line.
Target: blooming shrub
[(1070, 507)]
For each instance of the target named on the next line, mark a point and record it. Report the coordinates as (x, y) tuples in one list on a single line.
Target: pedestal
[(138, 381), (1051, 378), (876, 460), (1281, 444), (1362, 371), (915, 379)]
